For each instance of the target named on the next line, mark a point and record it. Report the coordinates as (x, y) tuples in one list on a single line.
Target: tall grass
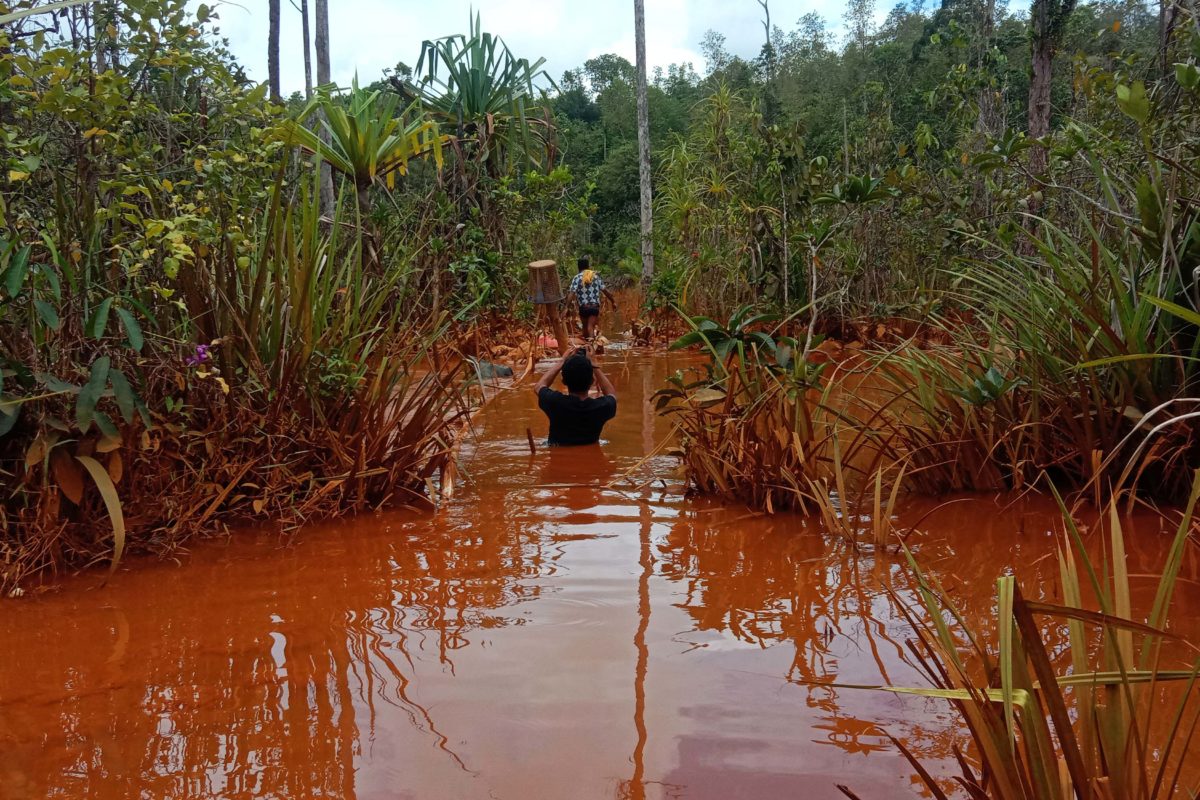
[(765, 425), (1078, 355), (305, 388), (1119, 723), (1072, 362)]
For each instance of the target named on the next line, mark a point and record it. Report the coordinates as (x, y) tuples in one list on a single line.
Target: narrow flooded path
[(540, 637)]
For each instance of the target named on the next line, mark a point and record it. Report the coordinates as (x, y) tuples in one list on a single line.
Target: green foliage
[(1040, 733), (171, 295), (367, 138), (476, 86)]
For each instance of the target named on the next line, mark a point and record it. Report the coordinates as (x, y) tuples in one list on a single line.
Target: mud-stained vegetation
[(818, 418)]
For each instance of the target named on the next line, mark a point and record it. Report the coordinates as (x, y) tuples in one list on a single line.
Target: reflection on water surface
[(541, 637)]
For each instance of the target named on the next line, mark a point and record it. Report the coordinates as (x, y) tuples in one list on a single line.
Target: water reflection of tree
[(777, 582), (237, 685)]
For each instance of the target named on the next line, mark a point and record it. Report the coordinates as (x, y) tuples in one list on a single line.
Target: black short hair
[(577, 373), (583, 262)]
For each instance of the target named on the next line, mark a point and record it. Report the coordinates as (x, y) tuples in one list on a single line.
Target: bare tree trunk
[(323, 42), (1168, 16), (273, 51), (990, 121), (328, 200), (1047, 20), (307, 49), (1039, 102), (643, 123)]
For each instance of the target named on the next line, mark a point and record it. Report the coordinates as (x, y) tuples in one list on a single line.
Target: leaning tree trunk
[(643, 129), (273, 51), (328, 200), (307, 49)]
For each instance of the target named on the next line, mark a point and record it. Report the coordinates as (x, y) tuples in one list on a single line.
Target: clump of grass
[(762, 425), (1120, 723), (315, 393)]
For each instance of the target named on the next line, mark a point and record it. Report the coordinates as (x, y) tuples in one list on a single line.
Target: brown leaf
[(67, 474), (116, 467), (108, 444), (36, 451)]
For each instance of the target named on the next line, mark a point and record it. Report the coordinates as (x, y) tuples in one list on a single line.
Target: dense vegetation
[(198, 326), (181, 283), (1033, 299), (957, 251)]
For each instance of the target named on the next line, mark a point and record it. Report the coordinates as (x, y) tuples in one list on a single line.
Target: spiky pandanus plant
[(370, 138), (476, 86)]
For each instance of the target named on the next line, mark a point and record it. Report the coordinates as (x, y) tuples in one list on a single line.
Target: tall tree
[(322, 42), (307, 48), (273, 50), (1047, 23), (643, 129), (990, 121), (1168, 15), (323, 79)]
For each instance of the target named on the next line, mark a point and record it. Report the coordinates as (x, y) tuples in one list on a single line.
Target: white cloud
[(369, 36)]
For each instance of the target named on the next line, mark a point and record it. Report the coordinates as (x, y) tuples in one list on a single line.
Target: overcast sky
[(372, 35)]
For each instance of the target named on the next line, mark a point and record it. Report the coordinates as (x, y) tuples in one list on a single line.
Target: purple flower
[(201, 355)]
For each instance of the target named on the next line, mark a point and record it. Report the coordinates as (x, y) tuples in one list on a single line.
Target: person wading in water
[(588, 289), (576, 417)]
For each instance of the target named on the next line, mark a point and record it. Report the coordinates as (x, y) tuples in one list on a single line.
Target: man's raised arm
[(606, 387), (552, 373)]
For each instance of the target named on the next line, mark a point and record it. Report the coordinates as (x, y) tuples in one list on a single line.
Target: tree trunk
[(991, 116), (328, 200), (364, 200), (273, 51), (1168, 16), (1047, 21), (1039, 101), (323, 42), (307, 49), (643, 123)]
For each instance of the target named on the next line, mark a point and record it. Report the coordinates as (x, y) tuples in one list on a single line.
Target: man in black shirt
[(575, 417)]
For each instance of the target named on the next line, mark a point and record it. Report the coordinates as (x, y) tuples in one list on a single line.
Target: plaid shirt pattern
[(587, 294)]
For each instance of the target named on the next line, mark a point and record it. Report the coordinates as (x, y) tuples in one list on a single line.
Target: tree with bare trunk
[(990, 121), (1047, 23), (308, 84), (273, 50), (323, 79), (643, 132), (1168, 16)]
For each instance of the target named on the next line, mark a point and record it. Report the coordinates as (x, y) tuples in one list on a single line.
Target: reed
[(1119, 723), (309, 389)]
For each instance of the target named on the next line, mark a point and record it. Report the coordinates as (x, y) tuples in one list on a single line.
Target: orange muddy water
[(542, 636)]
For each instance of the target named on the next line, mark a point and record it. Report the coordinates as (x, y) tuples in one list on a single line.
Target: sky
[(369, 36)]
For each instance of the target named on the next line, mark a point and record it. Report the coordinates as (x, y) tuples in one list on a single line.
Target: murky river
[(542, 636)]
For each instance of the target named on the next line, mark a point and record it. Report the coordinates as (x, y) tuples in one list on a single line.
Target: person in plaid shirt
[(588, 289)]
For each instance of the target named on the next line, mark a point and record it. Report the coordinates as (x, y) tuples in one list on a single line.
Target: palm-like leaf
[(368, 139), (476, 84)]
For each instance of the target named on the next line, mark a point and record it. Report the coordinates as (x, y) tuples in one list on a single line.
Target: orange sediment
[(541, 636)]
